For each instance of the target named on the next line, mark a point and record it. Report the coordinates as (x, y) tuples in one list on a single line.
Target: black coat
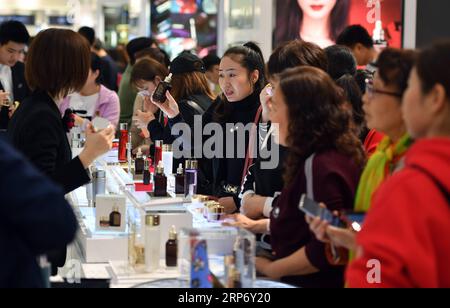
[(35, 219), (20, 91), (37, 130)]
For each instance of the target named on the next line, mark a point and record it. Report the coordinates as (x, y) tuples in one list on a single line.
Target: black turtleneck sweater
[(220, 171)]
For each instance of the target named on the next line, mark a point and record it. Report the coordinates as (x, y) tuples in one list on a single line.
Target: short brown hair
[(188, 84), (295, 54), (58, 62), (147, 69), (395, 66)]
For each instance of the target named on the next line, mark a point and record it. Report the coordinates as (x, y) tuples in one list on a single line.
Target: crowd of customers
[(362, 133)]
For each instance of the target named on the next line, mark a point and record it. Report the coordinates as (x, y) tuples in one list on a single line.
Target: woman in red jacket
[(404, 242)]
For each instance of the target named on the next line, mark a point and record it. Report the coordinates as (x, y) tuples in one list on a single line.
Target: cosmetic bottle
[(160, 180), (158, 152), (172, 248), (167, 159), (160, 93), (190, 187), (147, 175), (152, 242), (139, 163), (179, 180), (115, 218), (123, 142)]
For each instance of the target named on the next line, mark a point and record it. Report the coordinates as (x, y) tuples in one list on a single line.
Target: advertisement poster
[(321, 21), (180, 25)]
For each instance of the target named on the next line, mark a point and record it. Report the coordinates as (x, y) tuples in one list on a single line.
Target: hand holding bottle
[(170, 107), (97, 144)]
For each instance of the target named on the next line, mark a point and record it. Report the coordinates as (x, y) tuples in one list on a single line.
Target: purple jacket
[(107, 104)]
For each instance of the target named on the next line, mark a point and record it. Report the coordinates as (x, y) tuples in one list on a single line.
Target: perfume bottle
[(147, 175), (190, 187), (179, 180), (129, 153), (123, 141), (152, 242), (115, 218), (172, 248), (160, 93), (158, 152), (139, 163), (160, 180), (167, 159)]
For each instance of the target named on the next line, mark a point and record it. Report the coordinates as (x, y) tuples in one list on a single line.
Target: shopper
[(406, 229), (14, 38), (35, 219), (241, 80), (325, 161), (212, 65), (127, 93), (36, 128), (94, 99), (358, 39), (145, 77), (262, 185), (383, 106), (109, 67)]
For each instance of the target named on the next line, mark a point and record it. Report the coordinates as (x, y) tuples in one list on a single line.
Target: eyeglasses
[(371, 91)]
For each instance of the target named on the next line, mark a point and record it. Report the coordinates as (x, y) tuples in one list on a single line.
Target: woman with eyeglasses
[(407, 228), (383, 111)]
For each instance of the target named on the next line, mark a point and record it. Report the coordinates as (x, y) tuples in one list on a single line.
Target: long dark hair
[(250, 58), (317, 119), (290, 17)]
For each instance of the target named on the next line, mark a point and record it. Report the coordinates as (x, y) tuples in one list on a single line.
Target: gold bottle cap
[(200, 198), (160, 168), (115, 208), (212, 204), (152, 220), (173, 233), (217, 209), (194, 164)]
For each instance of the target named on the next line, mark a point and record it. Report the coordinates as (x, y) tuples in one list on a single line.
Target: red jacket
[(408, 228)]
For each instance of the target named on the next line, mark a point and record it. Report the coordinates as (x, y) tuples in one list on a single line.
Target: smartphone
[(313, 209)]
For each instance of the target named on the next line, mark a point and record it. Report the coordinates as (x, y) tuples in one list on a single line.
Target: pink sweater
[(107, 104)]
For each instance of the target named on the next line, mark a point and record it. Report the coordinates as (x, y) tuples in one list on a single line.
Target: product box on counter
[(110, 213)]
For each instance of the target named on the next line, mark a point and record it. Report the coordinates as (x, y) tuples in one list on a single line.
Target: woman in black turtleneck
[(241, 80)]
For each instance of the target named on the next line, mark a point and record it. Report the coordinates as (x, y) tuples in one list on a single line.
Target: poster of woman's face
[(321, 21)]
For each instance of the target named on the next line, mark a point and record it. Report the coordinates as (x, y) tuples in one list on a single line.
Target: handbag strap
[(249, 157), (439, 185), (309, 177)]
